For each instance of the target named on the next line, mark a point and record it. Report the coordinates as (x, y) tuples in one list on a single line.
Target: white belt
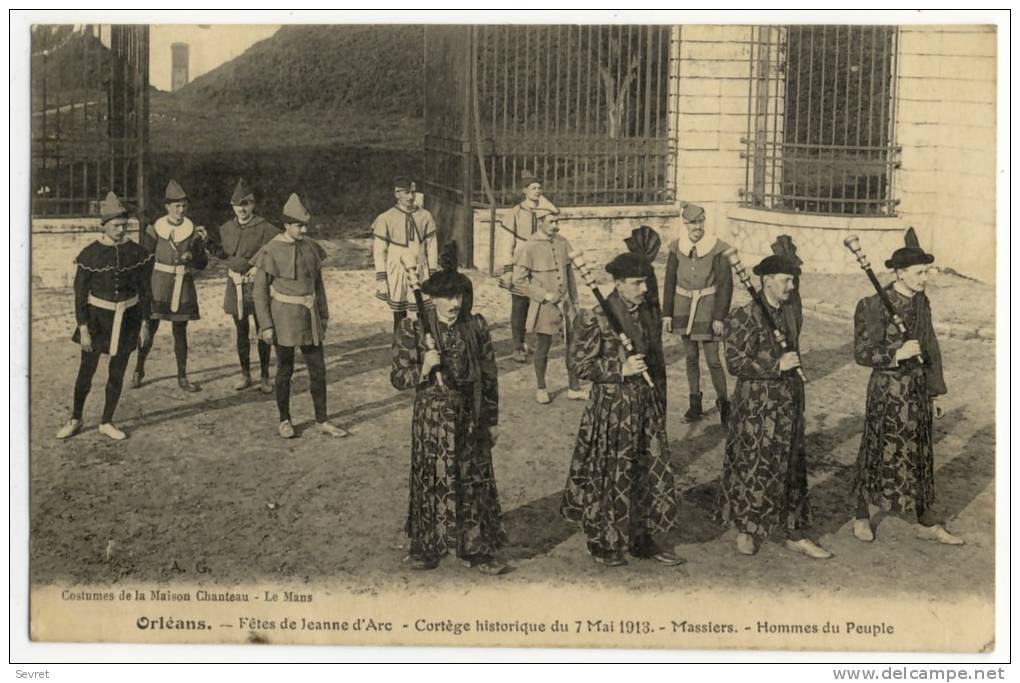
[(118, 308), (178, 273), (239, 280), (695, 295), (306, 300)]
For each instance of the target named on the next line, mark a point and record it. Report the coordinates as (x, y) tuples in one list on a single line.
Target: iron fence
[(583, 107), (820, 122), (90, 106)]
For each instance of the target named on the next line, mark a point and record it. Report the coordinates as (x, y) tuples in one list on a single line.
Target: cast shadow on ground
[(535, 528), (345, 360), (832, 501)]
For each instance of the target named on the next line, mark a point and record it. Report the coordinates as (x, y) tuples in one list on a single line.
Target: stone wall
[(819, 239), (599, 231), (945, 122)]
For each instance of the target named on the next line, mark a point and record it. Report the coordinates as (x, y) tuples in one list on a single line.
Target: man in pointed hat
[(895, 463), (111, 301), (404, 233), (178, 248), (290, 302), (240, 238), (764, 486), (519, 224), (696, 301)]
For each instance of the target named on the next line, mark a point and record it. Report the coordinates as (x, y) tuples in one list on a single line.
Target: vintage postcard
[(652, 334)]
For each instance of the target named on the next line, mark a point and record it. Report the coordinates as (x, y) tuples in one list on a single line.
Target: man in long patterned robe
[(453, 504), (764, 480), (895, 463), (620, 490)]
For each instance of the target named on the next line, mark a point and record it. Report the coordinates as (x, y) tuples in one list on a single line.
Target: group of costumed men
[(124, 289), (620, 488)]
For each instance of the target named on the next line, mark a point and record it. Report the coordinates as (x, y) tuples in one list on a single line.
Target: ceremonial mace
[(577, 259), (734, 258), (432, 338), (854, 245)]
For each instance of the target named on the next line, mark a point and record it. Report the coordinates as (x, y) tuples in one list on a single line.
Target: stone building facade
[(943, 123)]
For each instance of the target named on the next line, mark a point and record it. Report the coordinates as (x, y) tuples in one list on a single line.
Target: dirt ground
[(204, 481)]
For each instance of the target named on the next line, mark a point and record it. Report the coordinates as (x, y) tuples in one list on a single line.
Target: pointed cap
[(241, 192), (294, 211), (112, 208), (174, 192)]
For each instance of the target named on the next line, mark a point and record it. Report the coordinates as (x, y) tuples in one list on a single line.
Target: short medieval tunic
[(179, 253), (107, 275), (542, 266), (453, 503), (620, 489), (764, 480), (700, 281), (518, 225), (288, 291), (895, 463), (238, 244), (403, 237)]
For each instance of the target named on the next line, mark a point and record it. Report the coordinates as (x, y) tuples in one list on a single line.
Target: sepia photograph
[(604, 332)]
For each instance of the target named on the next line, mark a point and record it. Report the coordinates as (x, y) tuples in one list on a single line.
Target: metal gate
[(90, 116), (583, 107)]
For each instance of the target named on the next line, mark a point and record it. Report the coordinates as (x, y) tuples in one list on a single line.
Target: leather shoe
[(609, 560), (330, 429), (745, 544), (862, 530), (136, 380), (542, 396), (244, 383), (578, 394), (937, 533), (668, 558), (107, 429), (486, 564), (808, 547), (520, 356), (286, 429), (419, 563), (183, 383), (266, 385), (72, 427)]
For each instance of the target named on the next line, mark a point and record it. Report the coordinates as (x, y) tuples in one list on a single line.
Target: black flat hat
[(629, 265), (776, 265), (447, 281), (910, 255)]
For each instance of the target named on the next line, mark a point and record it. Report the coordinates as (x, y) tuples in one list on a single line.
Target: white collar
[(177, 233), (705, 245)]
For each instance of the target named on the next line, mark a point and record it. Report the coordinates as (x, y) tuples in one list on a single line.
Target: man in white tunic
[(406, 233)]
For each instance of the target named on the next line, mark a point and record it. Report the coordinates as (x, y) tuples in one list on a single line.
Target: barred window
[(820, 133)]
